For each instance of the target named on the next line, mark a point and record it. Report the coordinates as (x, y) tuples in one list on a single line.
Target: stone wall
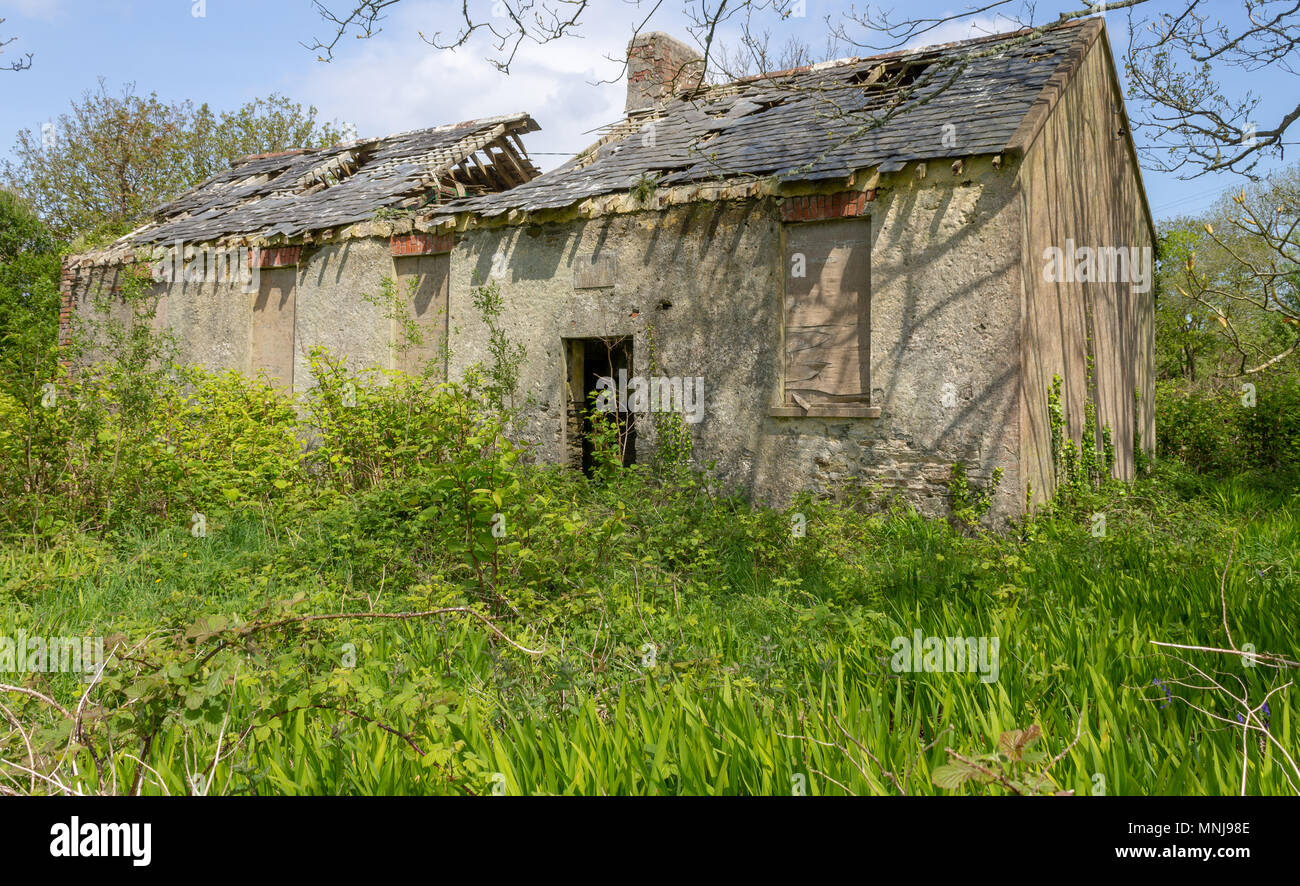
[(950, 302), (705, 282)]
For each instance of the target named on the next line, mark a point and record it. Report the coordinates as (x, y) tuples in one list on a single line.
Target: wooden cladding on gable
[(827, 315)]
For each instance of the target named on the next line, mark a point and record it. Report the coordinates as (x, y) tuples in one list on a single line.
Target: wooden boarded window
[(827, 314), (273, 326), (422, 283)]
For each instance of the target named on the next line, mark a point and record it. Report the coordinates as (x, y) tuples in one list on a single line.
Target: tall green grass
[(698, 650)]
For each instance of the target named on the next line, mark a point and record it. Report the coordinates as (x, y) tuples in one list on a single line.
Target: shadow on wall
[(945, 301)]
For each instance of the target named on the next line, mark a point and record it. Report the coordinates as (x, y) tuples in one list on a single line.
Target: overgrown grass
[(684, 644)]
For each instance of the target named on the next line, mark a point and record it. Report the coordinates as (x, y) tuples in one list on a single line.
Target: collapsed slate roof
[(814, 123), (289, 193)]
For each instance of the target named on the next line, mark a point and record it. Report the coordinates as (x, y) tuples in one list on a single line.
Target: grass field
[(633, 637)]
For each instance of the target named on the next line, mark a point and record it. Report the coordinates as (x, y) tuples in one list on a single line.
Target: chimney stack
[(657, 67)]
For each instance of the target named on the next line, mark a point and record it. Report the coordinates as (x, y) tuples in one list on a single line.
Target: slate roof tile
[(778, 125), (294, 192)]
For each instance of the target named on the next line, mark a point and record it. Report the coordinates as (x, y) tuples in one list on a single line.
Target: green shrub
[(1220, 432)]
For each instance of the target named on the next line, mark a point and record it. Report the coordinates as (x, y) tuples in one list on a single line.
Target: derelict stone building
[(864, 270)]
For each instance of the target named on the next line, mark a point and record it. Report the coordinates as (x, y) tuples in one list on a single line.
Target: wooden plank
[(827, 312), (594, 272), (520, 174), (493, 179), (833, 410)]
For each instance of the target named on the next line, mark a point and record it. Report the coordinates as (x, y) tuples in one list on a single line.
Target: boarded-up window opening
[(828, 313), (273, 326), (423, 283)]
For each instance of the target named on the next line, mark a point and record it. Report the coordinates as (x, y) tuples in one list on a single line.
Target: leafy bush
[(1221, 432)]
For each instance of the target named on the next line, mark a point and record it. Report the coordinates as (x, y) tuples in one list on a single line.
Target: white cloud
[(395, 82), (964, 29), (41, 9)]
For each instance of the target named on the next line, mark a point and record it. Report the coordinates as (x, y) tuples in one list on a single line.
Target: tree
[(29, 288), (1187, 344), (21, 64), (1238, 271), (1174, 62), (263, 125), (99, 169)]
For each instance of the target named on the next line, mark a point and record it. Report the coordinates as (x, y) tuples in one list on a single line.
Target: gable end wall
[(1080, 184)]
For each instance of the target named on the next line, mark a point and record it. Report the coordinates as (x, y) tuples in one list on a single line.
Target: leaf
[(1013, 742), (951, 776)]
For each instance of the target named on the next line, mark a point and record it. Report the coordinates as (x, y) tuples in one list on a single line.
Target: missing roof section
[(889, 85), (291, 193)]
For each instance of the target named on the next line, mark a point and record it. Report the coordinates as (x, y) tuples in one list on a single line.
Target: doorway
[(587, 361)]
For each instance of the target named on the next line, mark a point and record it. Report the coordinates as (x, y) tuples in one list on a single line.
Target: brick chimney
[(658, 66)]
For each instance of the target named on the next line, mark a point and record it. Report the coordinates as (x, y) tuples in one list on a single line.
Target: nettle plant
[(1017, 765)]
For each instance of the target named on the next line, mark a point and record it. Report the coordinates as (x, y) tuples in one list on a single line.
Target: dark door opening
[(589, 360)]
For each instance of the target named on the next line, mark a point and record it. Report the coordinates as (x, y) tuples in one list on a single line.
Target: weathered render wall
[(331, 311), (93, 296), (211, 323), (705, 280), (1080, 183), (215, 324)]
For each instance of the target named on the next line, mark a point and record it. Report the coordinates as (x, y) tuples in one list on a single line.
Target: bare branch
[(21, 64)]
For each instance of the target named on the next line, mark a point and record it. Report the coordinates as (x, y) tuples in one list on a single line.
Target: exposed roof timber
[(290, 194), (505, 161)]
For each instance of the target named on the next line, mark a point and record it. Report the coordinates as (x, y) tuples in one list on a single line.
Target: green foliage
[(502, 374), (968, 504), (388, 599), (29, 309), (1016, 766), (1216, 432), (408, 333), (1082, 467), (652, 640), (1228, 285), (645, 187), (115, 156)]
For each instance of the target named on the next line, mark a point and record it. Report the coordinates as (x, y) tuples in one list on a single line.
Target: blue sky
[(243, 49)]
